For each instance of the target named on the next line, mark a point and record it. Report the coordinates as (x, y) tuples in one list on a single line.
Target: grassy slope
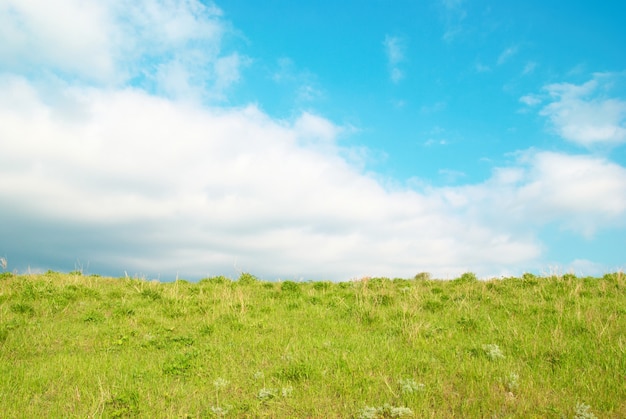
[(77, 346)]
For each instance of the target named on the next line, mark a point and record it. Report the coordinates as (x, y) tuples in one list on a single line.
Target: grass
[(87, 346)]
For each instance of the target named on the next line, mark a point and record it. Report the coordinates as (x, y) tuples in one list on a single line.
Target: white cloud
[(452, 4), (196, 189), (453, 14), (482, 68), (435, 107), (529, 68), (395, 50), (530, 100), (507, 54), (177, 187), (585, 114), (227, 70), (451, 176), (170, 46), (304, 82), (66, 35), (584, 267), (577, 192)]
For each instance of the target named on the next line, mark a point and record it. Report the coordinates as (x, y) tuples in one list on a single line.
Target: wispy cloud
[(530, 100), (586, 114), (482, 68), (451, 175), (507, 54), (305, 85), (395, 49), (435, 107), (529, 68), (453, 15)]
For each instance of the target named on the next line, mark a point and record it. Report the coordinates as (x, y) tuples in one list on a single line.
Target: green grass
[(86, 346)]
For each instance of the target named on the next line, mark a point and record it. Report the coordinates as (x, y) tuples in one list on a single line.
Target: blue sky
[(314, 140)]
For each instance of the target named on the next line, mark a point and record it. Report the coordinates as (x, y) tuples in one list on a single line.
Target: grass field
[(88, 346)]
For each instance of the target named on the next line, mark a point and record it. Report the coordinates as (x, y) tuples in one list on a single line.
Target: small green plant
[(296, 371), (216, 280), (290, 287), (467, 277), (247, 279), (93, 317), (23, 308), (125, 405), (179, 364), (4, 334), (422, 276), (321, 285), (151, 294)]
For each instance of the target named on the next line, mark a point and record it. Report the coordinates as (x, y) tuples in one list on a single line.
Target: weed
[(220, 411), (433, 306), (467, 277), (219, 383), (511, 383), (322, 285), (93, 317), (386, 411), (151, 294), (410, 386), (583, 411), (247, 279), (125, 405), (266, 394), (422, 276), (493, 351), (178, 364), (206, 329), (290, 287), (215, 280), (297, 371), (467, 324), (23, 308)]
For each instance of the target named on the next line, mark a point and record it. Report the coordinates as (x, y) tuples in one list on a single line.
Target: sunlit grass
[(82, 346)]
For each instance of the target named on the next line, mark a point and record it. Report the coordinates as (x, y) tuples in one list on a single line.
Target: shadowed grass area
[(80, 346)]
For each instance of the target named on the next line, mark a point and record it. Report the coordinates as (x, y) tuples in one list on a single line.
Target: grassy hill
[(88, 346)]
